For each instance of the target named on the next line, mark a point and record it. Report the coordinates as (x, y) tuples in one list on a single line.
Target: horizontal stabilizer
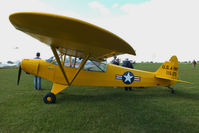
[(173, 79)]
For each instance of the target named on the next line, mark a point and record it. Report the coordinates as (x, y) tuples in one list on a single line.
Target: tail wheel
[(49, 98), (172, 90)]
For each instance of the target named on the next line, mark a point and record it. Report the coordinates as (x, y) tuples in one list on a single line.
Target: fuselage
[(113, 76)]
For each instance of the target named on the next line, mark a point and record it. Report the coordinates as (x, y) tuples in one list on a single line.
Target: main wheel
[(49, 98)]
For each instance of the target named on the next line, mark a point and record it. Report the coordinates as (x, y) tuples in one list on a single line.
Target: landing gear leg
[(50, 97), (172, 90)]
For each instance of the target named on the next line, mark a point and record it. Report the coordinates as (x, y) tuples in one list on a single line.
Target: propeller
[(19, 75)]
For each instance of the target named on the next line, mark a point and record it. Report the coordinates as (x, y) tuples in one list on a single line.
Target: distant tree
[(10, 62)]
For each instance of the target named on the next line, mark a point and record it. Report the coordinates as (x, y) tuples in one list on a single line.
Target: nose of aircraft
[(28, 65)]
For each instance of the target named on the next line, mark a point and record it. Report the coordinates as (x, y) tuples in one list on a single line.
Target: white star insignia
[(128, 78)]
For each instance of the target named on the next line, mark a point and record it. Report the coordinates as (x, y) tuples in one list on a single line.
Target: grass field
[(100, 109)]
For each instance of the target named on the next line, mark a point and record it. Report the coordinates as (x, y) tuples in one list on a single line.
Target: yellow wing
[(73, 36)]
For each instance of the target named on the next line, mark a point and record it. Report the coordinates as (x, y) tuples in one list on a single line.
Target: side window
[(68, 61), (95, 66), (75, 62)]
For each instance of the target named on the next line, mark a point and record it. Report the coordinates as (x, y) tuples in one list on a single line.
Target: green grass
[(100, 109)]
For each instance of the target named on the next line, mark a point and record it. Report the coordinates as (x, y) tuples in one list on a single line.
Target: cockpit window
[(68, 61), (75, 62), (95, 66)]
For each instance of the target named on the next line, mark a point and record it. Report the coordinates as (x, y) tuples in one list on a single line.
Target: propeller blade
[(19, 75)]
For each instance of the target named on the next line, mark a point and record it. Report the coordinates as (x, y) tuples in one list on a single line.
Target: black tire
[(49, 98)]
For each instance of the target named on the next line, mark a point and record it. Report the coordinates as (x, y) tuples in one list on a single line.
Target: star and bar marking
[(128, 77)]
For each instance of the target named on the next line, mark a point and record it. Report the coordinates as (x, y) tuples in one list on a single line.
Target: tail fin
[(169, 70)]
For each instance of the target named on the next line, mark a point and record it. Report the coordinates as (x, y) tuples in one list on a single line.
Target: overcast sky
[(156, 29)]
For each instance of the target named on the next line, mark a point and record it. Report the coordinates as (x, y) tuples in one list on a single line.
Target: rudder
[(168, 70)]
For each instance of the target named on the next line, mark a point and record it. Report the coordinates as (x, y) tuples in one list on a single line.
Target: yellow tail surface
[(169, 70)]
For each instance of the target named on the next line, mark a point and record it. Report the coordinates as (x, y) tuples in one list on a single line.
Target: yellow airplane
[(80, 50)]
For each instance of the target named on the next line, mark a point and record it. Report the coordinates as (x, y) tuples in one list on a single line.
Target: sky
[(156, 29)]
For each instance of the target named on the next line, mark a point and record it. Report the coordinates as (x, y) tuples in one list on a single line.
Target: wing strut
[(59, 63), (62, 69), (80, 68)]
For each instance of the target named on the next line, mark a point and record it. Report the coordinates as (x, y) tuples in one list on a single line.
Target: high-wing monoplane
[(80, 49)]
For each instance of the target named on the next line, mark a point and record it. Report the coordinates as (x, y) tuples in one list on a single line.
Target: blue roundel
[(128, 77)]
